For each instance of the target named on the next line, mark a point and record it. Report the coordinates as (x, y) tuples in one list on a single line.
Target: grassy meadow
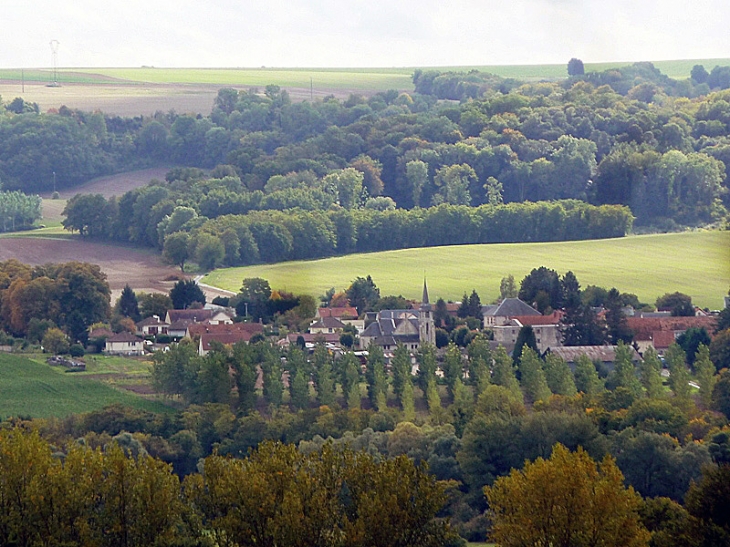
[(32, 388), (696, 263)]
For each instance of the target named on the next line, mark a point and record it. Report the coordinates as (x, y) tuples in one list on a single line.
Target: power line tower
[(54, 54)]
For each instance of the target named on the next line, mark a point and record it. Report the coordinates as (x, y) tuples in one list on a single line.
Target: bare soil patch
[(116, 185), (141, 99), (142, 269)]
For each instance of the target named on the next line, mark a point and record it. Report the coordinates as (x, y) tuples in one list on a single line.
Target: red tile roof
[(199, 329), (340, 313)]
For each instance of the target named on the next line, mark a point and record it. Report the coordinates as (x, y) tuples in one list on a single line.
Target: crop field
[(29, 388), (695, 263), (373, 79)]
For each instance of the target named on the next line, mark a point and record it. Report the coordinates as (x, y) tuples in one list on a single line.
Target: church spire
[(424, 300)]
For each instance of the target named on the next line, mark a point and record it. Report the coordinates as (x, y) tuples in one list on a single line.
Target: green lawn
[(696, 263), (31, 388)]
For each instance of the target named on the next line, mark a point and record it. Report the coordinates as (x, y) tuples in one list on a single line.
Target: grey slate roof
[(512, 307)]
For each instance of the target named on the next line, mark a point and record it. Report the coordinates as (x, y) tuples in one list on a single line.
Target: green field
[(30, 388), (696, 263), (364, 79)]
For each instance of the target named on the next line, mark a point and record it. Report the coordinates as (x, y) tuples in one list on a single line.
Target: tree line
[(663, 155), (166, 217), (111, 496)]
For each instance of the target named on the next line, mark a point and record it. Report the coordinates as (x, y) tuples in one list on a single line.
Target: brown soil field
[(137, 99), (115, 185), (142, 269)]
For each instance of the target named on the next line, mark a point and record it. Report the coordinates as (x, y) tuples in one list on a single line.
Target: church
[(412, 328)]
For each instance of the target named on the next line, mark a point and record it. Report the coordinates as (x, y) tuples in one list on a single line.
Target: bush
[(163, 339), (76, 350)]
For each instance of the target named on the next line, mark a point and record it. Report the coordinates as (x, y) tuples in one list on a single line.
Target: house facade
[(124, 343), (412, 328)]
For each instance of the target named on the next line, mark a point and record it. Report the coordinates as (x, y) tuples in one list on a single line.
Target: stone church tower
[(426, 327)]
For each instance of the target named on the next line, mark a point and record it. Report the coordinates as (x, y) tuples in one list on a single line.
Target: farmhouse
[(327, 325), (152, 326), (508, 309), (124, 343), (347, 315), (223, 333), (661, 332), (408, 327)]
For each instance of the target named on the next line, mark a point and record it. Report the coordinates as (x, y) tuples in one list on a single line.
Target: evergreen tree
[(624, 371), (298, 378), (408, 402), (462, 407), (351, 380), (705, 373), (441, 315), (127, 304), (479, 361), (299, 387), (650, 371), (426, 358), (323, 376), (616, 323), (463, 311), (184, 293), (376, 378), (533, 377), (503, 372), (242, 362), (400, 366), (475, 305), (586, 376), (453, 369), (273, 386), (678, 373), (558, 375), (525, 338)]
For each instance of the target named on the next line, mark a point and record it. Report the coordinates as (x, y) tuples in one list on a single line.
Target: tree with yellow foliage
[(567, 501)]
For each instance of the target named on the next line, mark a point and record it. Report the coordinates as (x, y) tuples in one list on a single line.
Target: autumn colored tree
[(566, 500)]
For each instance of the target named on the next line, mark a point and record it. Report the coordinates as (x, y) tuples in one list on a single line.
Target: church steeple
[(426, 328)]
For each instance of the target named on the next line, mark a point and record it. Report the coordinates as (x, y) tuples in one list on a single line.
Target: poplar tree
[(376, 378), (705, 373), (586, 376), (650, 373), (533, 377), (503, 372), (678, 373), (558, 375)]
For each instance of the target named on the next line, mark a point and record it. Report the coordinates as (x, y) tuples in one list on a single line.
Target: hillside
[(32, 389), (696, 263)]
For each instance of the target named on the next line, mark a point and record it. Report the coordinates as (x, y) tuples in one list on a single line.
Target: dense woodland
[(350, 171)]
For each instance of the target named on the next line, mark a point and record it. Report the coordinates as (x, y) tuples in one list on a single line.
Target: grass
[(695, 263), (32, 388), (355, 79)]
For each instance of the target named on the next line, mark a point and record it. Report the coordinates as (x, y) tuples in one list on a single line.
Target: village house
[(152, 326), (509, 308), (545, 327), (223, 333), (408, 327), (661, 332), (327, 325), (124, 343), (347, 315)]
